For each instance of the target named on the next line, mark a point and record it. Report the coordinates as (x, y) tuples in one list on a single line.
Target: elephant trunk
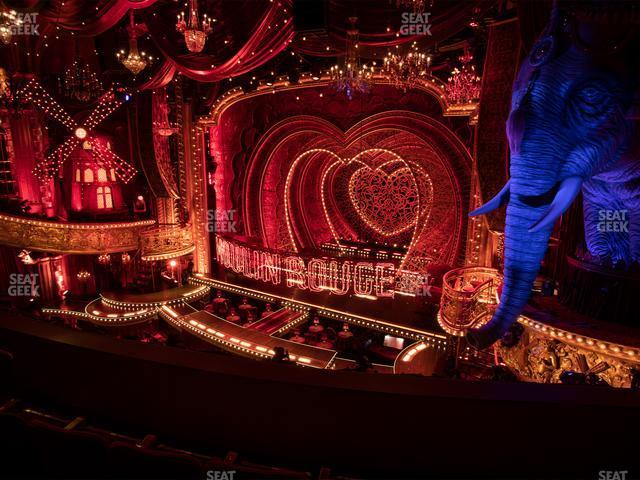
[(523, 254)]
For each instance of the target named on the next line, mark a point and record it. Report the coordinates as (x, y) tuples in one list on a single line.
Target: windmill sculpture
[(80, 133)]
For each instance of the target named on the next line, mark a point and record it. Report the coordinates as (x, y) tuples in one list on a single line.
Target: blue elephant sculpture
[(568, 133)]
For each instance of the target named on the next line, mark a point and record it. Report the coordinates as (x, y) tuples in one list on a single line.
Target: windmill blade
[(109, 103), (34, 93), (123, 170), (55, 159)]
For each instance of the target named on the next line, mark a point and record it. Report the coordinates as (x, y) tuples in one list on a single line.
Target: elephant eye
[(590, 102)]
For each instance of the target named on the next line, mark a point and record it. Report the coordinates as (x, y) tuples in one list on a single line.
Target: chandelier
[(164, 128), (405, 70), (8, 20), (80, 82), (160, 116), (195, 32), (104, 259), (134, 61), (83, 275), (351, 76), (463, 86), (416, 6)]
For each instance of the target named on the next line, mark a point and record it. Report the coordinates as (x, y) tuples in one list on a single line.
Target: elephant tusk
[(567, 192), (496, 202)]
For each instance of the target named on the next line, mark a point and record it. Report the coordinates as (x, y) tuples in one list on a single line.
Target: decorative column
[(491, 146), (194, 158)]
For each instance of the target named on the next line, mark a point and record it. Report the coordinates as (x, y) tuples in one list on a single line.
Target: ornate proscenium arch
[(300, 180)]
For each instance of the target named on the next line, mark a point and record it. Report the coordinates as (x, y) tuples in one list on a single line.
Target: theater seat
[(13, 447), (6, 373), (60, 453), (130, 461)]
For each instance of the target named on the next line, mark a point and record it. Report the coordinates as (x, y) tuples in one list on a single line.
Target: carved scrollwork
[(540, 357), (83, 238)]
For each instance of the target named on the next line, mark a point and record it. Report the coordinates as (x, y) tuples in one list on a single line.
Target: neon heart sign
[(387, 202), (387, 197)]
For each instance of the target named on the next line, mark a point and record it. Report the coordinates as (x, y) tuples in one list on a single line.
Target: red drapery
[(270, 36), (89, 18)]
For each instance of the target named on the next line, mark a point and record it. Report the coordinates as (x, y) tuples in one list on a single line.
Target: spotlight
[(122, 94)]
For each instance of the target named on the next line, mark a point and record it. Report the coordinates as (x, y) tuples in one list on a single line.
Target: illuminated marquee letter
[(363, 278), (339, 278), (294, 270), (270, 268), (317, 275), (385, 277)]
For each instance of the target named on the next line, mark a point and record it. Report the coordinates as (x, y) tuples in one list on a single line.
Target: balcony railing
[(167, 241), (469, 298), (65, 237)]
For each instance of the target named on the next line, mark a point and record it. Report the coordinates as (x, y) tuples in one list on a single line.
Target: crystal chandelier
[(164, 128), (80, 82), (351, 76), (8, 19), (404, 71), (195, 32), (463, 86), (416, 6), (134, 61), (160, 115)]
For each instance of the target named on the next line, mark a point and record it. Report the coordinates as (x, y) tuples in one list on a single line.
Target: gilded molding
[(544, 352), (79, 238)]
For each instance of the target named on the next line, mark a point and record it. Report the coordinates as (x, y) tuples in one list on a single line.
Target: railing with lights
[(61, 237), (228, 340), (99, 317), (469, 298), (304, 307), (165, 242)]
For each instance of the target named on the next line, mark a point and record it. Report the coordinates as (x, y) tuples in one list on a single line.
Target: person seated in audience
[(219, 303), (297, 337), (316, 327), (251, 317), (324, 342), (245, 307), (267, 311), (233, 316), (346, 331), (281, 355)]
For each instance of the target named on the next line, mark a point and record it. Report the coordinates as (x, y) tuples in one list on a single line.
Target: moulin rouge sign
[(316, 274)]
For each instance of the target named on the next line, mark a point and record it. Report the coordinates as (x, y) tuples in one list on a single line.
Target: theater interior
[(319, 239)]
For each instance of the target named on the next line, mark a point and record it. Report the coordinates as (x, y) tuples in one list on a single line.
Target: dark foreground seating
[(131, 461), (37, 445)]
